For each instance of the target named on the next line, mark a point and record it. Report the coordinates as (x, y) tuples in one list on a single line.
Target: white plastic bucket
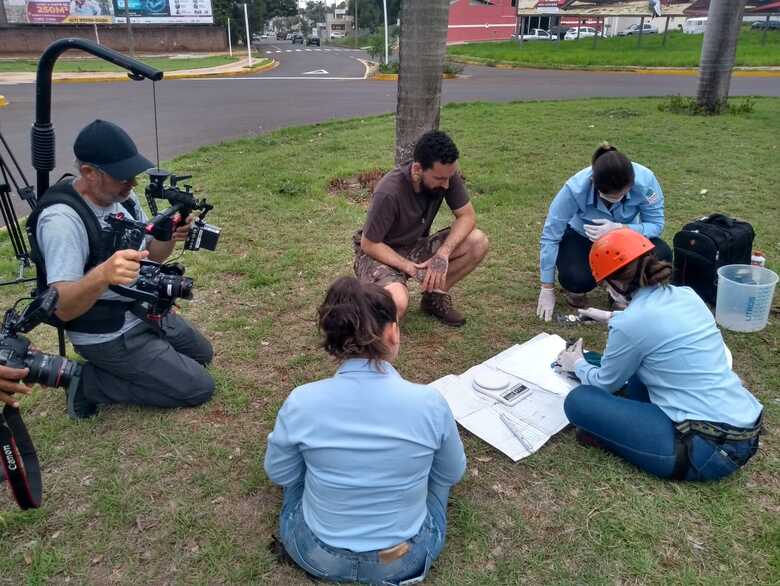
[(744, 297)]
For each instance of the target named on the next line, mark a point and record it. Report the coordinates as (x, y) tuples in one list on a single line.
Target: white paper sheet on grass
[(531, 362), (537, 417)]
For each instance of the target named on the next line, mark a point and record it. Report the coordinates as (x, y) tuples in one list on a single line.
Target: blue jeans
[(342, 565), (639, 431)]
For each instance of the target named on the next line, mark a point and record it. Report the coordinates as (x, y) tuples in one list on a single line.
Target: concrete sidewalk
[(240, 67)]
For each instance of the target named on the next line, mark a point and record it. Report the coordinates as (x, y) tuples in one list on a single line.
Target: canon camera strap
[(20, 462)]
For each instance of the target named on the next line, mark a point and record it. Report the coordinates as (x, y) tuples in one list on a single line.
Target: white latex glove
[(599, 227), (567, 359), (546, 303), (600, 315)]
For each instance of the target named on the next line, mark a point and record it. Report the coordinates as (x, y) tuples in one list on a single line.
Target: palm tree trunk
[(718, 52), (422, 52)]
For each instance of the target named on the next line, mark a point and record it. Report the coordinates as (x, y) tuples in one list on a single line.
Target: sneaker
[(78, 405), (576, 300), (439, 305), (585, 439)]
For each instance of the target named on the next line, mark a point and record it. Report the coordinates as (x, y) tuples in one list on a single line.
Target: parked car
[(281, 36), (537, 34), (772, 25), (312, 41), (336, 35), (297, 38), (585, 32), (289, 37), (695, 26), (647, 29), (560, 31)]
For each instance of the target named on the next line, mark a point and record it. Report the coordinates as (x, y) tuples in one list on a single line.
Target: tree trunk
[(718, 52), (423, 49)]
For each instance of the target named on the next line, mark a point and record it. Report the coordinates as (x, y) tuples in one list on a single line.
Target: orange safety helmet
[(616, 249)]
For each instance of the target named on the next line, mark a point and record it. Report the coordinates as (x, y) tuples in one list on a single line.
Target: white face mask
[(616, 295)]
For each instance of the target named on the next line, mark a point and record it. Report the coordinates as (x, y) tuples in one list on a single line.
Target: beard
[(433, 193)]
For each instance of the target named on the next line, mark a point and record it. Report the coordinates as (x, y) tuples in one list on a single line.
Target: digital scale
[(498, 386)]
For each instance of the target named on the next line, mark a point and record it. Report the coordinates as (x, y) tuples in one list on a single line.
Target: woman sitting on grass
[(366, 458), (685, 413)]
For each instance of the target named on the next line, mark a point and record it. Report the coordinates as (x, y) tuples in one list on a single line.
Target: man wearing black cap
[(128, 359)]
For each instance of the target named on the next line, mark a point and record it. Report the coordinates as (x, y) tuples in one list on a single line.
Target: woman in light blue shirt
[(612, 193), (365, 457), (685, 413)]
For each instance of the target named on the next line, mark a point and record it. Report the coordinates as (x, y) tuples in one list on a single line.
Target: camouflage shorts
[(370, 270)]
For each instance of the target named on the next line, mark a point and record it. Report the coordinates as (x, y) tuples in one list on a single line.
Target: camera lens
[(176, 286), (49, 370)]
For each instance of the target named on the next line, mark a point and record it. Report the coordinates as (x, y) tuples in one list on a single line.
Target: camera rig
[(183, 203)]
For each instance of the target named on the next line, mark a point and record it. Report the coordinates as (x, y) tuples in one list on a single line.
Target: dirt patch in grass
[(356, 188)]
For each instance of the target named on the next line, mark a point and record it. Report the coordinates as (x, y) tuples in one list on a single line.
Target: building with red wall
[(481, 20)]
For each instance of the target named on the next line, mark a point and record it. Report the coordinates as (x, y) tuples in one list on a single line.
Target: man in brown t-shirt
[(395, 242)]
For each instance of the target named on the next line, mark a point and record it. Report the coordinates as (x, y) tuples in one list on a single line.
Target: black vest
[(104, 317)]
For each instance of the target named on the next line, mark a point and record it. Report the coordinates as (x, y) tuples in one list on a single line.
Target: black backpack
[(705, 245)]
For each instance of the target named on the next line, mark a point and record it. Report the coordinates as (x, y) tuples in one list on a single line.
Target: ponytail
[(353, 317), (646, 271), (612, 170)]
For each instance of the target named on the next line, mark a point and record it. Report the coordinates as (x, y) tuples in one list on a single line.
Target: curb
[(120, 77), (394, 76), (685, 71), (260, 69)]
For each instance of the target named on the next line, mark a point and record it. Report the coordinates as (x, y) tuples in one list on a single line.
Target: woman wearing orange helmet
[(685, 414)]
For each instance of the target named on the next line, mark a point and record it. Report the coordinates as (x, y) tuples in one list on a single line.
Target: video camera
[(159, 285), (183, 202)]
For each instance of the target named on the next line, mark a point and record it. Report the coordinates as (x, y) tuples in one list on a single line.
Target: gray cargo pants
[(144, 367)]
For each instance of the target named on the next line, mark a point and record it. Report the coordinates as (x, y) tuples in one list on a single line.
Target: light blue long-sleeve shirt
[(366, 444), (578, 203), (668, 338)]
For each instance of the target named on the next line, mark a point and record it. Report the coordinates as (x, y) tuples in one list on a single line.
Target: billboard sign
[(108, 11), (164, 11)]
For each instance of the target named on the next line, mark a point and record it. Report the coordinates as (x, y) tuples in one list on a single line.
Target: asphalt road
[(309, 86)]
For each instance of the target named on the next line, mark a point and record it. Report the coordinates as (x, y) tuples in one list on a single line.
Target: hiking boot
[(439, 305), (576, 300), (585, 439), (79, 407)]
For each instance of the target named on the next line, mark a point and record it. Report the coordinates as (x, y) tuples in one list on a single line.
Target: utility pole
[(230, 42), (248, 38), (387, 41), (357, 27), (130, 40)]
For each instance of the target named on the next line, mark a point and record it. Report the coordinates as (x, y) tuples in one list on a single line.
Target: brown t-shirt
[(398, 216)]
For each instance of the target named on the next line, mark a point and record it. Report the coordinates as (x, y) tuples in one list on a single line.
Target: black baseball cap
[(104, 145)]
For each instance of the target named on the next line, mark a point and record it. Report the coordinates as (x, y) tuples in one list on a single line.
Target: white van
[(695, 26)]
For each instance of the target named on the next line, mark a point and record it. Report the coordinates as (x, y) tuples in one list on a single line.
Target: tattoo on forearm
[(439, 264)]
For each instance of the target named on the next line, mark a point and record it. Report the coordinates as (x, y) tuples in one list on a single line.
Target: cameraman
[(135, 362)]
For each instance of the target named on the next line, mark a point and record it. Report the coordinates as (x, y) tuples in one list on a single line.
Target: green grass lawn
[(89, 64), (141, 496), (681, 51)]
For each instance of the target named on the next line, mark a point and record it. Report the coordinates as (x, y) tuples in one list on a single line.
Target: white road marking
[(316, 72)]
